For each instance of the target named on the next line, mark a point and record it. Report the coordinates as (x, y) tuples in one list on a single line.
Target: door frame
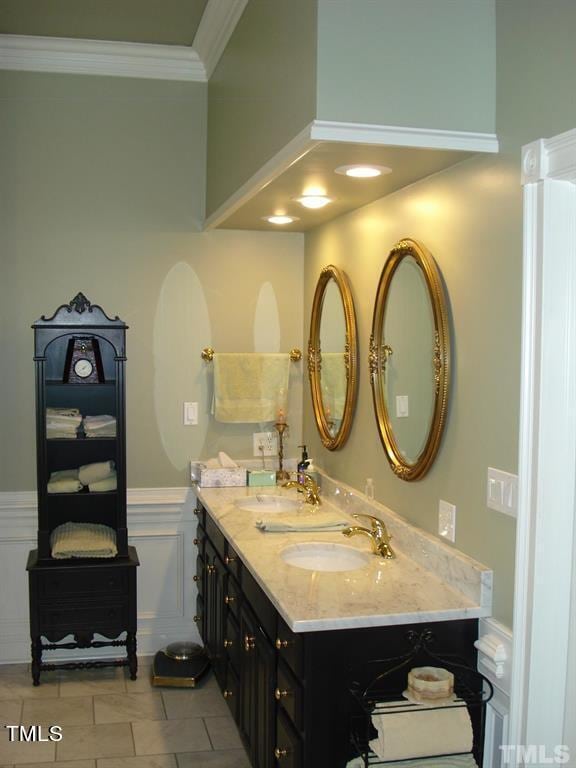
[(547, 448)]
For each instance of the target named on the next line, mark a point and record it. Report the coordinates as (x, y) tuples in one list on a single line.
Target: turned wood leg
[(36, 647), (131, 653)]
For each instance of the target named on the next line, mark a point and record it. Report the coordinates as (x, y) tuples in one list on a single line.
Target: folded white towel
[(64, 481), (421, 731), (101, 486), (454, 761), (247, 386), (83, 540), (302, 521), (91, 473)]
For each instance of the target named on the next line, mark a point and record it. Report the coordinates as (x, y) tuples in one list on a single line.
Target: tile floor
[(110, 721)]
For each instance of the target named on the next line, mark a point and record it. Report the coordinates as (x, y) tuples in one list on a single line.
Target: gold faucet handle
[(378, 526)]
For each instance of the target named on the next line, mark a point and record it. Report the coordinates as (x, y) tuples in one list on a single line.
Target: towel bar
[(207, 354)]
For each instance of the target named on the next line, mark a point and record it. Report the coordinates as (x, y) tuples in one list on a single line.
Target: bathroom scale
[(180, 664)]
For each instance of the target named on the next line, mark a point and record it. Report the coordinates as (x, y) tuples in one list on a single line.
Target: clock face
[(83, 367)]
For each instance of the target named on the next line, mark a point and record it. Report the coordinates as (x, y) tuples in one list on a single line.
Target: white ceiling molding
[(99, 57), (399, 136), (216, 26)]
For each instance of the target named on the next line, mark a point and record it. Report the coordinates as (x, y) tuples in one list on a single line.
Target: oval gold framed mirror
[(410, 359), (332, 357)]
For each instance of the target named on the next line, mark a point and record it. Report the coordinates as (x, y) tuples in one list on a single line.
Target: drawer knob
[(197, 618), (227, 694), (249, 642), (281, 643), (281, 694), (197, 511), (196, 578), (279, 753), (228, 559), (211, 569), (229, 599), (196, 541), (228, 643)]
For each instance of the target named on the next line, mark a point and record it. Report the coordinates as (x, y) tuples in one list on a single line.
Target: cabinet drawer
[(216, 537), (89, 582), (288, 694), (113, 618), (288, 750), (259, 603), (232, 560), (291, 648), (232, 641), (232, 595)]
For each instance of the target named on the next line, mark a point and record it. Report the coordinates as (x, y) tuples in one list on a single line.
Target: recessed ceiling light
[(363, 171), (280, 219), (313, 201)]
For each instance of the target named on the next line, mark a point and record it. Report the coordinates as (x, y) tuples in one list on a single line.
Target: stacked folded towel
[(303, 521), (99, 477), (451, 761), (62, 422), (83, 540), (99, 426)]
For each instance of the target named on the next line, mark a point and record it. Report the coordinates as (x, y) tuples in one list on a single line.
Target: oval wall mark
[(181, 330), (266, 321)]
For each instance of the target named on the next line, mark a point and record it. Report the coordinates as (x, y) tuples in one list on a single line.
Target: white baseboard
[(162, 527)]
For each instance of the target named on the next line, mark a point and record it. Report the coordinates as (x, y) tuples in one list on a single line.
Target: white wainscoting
[(162, 526), (495, 662)]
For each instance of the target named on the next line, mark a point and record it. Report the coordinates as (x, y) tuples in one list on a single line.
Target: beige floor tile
[(223, 732), (16, 752), (196, 702), (93, 741), (90, 682), (128, 707), (229, 758), (17, 684), (143, 683), (10, 712), (155, 737), (142, 761), (67, 764), (71, 710)]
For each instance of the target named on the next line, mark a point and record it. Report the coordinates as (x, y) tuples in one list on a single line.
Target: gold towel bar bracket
[(207, 354)]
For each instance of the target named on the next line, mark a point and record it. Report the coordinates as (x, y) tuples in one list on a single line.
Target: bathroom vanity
[(286, 643)]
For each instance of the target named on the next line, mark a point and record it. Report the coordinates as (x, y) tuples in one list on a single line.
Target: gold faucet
[(308, 487), (377, 533)]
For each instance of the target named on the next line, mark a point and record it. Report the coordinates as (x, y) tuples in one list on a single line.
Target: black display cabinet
[(79, 355)]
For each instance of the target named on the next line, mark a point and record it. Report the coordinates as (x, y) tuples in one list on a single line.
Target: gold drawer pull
[(197, 618), (281, 643), (229, 560), (229, 599), (197, 511), (211, 569), (281, 694), (228, 643), (249, 642), (227, 694), (196, 541), (196, 578), (279, 753)]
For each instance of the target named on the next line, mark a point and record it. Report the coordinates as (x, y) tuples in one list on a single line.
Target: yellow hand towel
[(247, 386), (101, 486), (303, 521), (64, 481), (83, 540)]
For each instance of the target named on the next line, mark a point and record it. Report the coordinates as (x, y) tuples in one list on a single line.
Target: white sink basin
[(267, 503), (323, 556)]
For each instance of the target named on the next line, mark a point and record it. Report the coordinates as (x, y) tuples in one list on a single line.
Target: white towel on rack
[(454, 761), (421, 732), (247, 386)]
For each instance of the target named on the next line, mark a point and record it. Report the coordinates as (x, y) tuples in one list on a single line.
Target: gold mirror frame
[(440, 362), (333, 442)]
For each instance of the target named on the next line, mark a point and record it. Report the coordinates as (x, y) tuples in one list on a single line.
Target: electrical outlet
[(447, 520), (265, 443)]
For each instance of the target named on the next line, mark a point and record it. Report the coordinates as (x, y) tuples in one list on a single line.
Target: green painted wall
[(262, 93), (102, 191), (407, 62), (470, 217)]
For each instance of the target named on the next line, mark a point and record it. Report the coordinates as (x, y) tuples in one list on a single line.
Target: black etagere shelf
[(379, 686)]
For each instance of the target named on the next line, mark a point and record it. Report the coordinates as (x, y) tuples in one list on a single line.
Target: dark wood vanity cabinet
[(289, 692)]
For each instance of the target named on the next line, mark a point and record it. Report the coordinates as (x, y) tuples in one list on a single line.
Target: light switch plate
[(502, 491), (265, 443), (447, 520), (190, 414)]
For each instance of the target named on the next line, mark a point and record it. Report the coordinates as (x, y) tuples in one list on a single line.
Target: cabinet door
[(257, 682), (215, 613)]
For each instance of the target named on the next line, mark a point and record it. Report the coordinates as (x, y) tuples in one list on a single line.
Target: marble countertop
[(427, 581)]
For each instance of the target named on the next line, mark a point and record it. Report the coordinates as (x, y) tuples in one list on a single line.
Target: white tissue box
[(222, 477)]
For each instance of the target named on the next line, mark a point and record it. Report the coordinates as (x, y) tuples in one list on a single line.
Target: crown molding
[(99, 57), (218, 21)]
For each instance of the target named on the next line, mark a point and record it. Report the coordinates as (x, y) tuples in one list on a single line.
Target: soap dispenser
[(302, 464)]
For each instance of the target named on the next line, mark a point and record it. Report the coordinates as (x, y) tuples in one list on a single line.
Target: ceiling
[(164, 22)]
